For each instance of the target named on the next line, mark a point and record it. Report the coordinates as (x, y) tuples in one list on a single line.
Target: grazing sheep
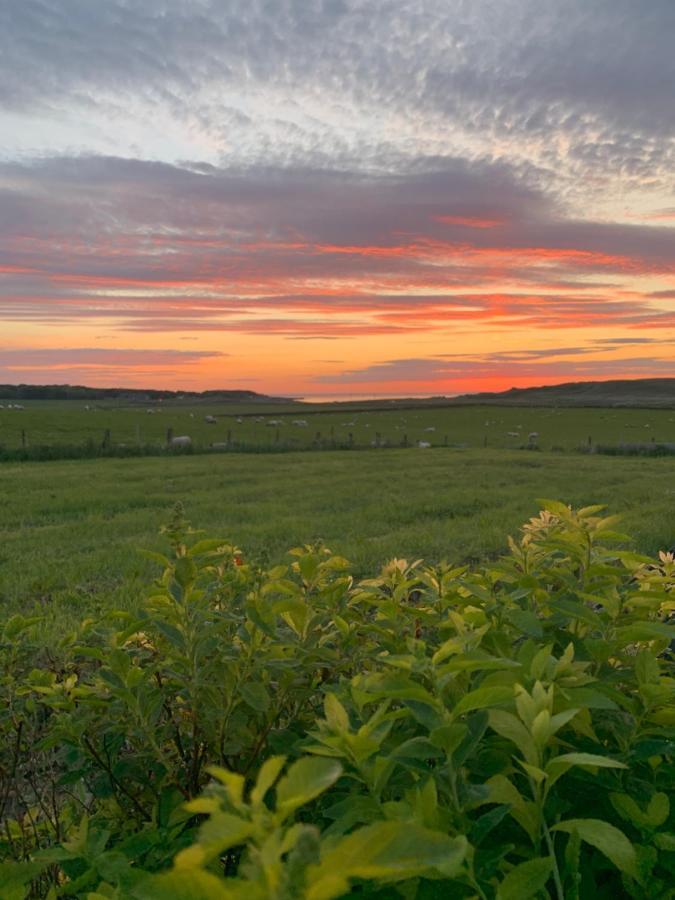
[(301, 423), (512, 434), (533, 435), (431, 428), (182, 440), (210, 420), (220, 446), (239, 420), (274, 422), (423, 445), (150, 412), (18, 406)]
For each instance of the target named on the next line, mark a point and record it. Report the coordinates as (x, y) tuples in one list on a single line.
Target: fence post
[(169, 436), (405, 440), (229, 435), (351, 439), (106, 439), (23, 437)]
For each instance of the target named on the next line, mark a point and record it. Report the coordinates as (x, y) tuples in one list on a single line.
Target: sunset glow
[(329, 198)]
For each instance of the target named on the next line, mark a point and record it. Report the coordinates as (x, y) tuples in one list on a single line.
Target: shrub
[(436, 731)]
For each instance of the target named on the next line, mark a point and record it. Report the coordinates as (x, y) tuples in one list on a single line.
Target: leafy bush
[(436, 731)]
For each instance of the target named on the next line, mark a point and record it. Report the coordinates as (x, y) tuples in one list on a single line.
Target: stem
[(551, 851), (113, 779)]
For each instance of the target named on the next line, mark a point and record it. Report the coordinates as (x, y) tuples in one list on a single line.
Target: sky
[(336, 197)]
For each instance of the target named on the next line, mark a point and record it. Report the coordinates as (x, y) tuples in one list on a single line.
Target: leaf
[(487, 822), (218, 833), (305, 780), (388, 851), (525, 880), (256, 696), (510, 727), (268, 774), (14, 876), (605, 838), (335, 713), (482, 698), (193, 884), (557, 766)]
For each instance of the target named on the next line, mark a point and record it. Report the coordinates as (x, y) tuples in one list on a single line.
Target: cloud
[(36, 365), (446, 374), (312, 253), (315, 79)]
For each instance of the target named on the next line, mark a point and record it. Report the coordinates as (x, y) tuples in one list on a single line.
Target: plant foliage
[(437, 731)]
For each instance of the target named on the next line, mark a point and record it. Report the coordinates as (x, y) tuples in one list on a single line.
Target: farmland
[(298, 426), (493, 722), (70, 529)]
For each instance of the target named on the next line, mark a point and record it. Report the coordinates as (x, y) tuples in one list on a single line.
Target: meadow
[(269, 708), (70, 530), (263, 426)]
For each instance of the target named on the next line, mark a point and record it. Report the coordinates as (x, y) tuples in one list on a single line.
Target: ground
[(69, 530)]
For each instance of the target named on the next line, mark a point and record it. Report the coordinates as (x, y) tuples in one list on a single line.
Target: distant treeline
[(79, 392)]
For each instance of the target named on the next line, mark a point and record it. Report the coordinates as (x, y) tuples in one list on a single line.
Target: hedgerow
[(505, 731)]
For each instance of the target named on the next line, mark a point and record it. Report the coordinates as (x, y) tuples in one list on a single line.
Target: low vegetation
[(496, 731)]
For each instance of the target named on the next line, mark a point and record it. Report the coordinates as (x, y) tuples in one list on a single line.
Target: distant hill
[(652, 393), (129, 395)]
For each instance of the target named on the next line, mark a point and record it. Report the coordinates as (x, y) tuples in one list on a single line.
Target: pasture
[(305, 426), (70, 530)]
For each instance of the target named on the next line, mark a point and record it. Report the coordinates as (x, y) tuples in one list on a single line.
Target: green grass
[(59, 423), (69, 530)]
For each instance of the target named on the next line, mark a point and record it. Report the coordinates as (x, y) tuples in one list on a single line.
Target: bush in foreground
[(436, 731)]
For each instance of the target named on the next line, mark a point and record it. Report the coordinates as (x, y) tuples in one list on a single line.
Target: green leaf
[(336, 714), (14, 876), (268, 774), (388, 851), (256, 696), (482, 698), (510, 727), (193, 884), (525, 880), (605, 838), (305, 780)]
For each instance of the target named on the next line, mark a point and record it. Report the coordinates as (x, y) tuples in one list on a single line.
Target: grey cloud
[(532, 68), (444, 372)]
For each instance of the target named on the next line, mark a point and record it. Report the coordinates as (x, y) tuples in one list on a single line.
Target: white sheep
[(423, 445), (210, 420), (182, 440)]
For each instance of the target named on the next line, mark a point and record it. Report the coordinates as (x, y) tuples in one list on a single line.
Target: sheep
[(431, 428), (210, 420), (301, 423), (239, 420), (182, 440), (274, 422), (533, 435), (219, 446), (150, 412), (512, 434), (423, 445), (18, 406)]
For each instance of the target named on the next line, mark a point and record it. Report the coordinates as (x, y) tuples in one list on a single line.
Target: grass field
[(69, 530), (59, 423)]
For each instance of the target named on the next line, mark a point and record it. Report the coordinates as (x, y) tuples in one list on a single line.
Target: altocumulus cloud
[(338, 169)]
